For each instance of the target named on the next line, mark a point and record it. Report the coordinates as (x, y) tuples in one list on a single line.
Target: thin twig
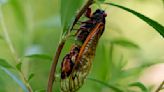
[(53, 67), (12, 49), (160, 87), (61, 45), (25, 81), (7, 37), (81, 12)]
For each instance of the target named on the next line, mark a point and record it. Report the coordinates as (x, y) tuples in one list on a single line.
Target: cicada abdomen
[(77, 63)]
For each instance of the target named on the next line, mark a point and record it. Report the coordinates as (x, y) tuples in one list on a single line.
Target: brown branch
[(53, 67), (60, 47), (81, 12), (160, 87)]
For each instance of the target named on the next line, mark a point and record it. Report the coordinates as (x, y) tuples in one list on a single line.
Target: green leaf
[(5, 64), (68, 11), (125, 43), (148, 64), (31, 76), (101, 0), (131, 72), (114, 88), (158, 27), (19, 12), (140, 85), (41, 90), (19, 65), (15, 78), (41, 56), (137, 70)]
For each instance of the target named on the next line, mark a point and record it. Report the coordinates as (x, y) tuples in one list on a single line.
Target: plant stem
[(81, 12), (53, 67), (25, 81), (6, 37), (61, 45), (160, 87), (12, 49), (28, 34)]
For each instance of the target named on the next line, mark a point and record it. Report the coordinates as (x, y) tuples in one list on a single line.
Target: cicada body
[(77, 63)]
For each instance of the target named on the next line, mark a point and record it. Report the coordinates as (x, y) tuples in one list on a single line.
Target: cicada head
[(99, 16)]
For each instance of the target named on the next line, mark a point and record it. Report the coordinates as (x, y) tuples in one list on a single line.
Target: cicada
[(77, 63)]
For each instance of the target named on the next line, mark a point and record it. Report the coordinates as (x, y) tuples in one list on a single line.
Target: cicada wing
[(83, 62), (77, 77)]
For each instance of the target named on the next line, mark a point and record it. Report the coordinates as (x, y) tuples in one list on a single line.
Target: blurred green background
[(129, 51)]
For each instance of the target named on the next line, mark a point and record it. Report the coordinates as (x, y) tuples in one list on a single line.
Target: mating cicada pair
[(77, 63)]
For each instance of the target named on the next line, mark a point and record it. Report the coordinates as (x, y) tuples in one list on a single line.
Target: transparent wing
[(83, 61)]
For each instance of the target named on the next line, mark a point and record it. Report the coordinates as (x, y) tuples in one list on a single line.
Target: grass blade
[(41, 90), (137, 70), (140, 85), (19, 14), (158, 27), (18, 81), (68, 10), (105, 84), (41, 56), (4, 63), (30, 76), (125, 43), (19, 66)]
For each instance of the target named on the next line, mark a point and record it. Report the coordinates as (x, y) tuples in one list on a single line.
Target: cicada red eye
[(76, 64)]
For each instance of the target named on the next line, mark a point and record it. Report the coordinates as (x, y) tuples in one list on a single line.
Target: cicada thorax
[(77, 63)]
